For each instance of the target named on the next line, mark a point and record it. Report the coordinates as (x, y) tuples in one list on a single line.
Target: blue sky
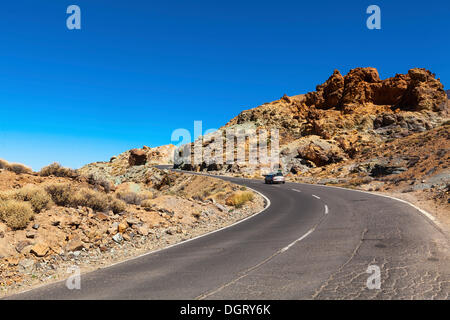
[(137, 70)]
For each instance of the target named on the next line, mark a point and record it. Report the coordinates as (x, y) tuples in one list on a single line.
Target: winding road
[(312, 242)]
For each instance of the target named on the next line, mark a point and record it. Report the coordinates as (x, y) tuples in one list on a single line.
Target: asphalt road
[(312, 242)]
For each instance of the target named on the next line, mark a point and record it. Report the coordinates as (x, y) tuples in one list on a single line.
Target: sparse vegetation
[(146, 203), (238, 199), (60, 193), (135, 198), (93, 199), (37, 196), (17, 168), (117, 205), (98, 182), (55, 169), (16, 214)]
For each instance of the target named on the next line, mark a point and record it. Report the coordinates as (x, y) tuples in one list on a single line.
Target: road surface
[(312, 242)]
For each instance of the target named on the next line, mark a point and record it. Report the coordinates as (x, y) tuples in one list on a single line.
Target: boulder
[(137, 157), (320, 152)]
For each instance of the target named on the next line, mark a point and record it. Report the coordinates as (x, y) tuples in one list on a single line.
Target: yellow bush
[(61, 193), (19, 168), (90, 198), (7, 195), (37, 196), (4, 164), (16, 214), (131, 197), (146, 203), (238, 199), (55, 169), (117, 205)]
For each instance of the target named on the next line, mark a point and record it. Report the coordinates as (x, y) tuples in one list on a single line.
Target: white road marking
[(299, 239), (326, 209), (295, 190), (315, 196)]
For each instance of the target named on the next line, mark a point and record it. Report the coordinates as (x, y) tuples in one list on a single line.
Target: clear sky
[(137, 70)]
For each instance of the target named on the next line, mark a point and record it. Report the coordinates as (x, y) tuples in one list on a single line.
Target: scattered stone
[(31, 235), (118, 238), (40, 249), (22, 245), (122, 227), (26, 265), (142, 230), (74, 245)]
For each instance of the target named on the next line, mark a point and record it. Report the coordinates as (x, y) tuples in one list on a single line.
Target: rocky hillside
[(59, 218), (132, 165), (357, 129)]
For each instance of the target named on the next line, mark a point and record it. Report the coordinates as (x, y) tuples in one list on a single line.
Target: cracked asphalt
[(312, 242)]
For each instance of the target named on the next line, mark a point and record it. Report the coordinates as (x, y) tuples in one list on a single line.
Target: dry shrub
[(4, 164), (135, 198), (95, 181), (37, 196), (61, 193), (95, 200), (220, 196), (238, 199), (16, 214), (116, 205), (55, 169), (7, 195), (146, 203), (19, 168)]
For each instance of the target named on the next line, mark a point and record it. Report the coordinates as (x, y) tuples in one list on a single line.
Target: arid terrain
[(359, 131), (58, 218)]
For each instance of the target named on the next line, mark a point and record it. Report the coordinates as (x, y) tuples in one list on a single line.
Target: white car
[(274, 178)]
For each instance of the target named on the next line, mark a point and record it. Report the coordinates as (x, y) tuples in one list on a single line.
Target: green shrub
[(16, 214)]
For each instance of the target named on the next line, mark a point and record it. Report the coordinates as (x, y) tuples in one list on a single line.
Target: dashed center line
[(299, 239), (326, 209), (315, 196), (295, 190)]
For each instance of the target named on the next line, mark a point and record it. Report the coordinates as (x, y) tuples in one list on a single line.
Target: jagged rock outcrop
[(137, 157), (417, 90)]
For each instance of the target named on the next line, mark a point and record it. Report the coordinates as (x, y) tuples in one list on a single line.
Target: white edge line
[(423, 212), (268, 203)]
